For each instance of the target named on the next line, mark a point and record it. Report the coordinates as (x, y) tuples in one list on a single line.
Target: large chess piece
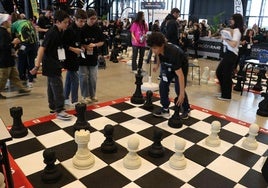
[(18, 129), (108, 146), (51, 173), (241, 76), (148, 105), (250, 142), (263, 106), (137, 97), (132, 160), (212, 76), (81, 122), (258, 86), (264, 170), (213, 139), (83, 158), (205, 75), (156, 150), (177, 160), (2, 181), (175, 120)]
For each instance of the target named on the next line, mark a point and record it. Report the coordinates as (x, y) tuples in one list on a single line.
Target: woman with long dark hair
[(138, 31), (225, 68)]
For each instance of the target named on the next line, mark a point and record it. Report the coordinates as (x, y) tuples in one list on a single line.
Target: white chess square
[(99, 123), (228, 168), (78, 173), (106, 110), (54, 138)]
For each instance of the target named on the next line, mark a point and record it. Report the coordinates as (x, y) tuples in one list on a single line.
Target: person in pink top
[(138, 31)]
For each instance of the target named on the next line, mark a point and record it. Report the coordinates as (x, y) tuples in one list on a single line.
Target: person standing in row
[(8, 69), (52, 54), (74, 55), (226, 65), (88, 70), (138, 31)]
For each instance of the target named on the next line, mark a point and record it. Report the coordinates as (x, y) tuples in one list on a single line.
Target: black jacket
[(171, 29), (72, 37), (6, 58)]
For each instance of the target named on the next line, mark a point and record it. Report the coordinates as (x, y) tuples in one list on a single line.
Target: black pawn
[(156, 150), (51, 174), (263, 106), (148, 105), (108, 146), (175, 120), (137, 97), (18, 129), (81, 122)]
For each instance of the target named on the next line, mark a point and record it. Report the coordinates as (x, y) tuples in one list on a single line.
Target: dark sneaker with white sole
[(161, 113)]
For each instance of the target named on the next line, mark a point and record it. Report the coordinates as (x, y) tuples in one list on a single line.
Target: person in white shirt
[(225, 67)]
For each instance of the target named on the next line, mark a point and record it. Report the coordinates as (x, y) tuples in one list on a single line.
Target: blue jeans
[(55, 93), (164, 89), (71, 85), (88, 80), (135, 50)]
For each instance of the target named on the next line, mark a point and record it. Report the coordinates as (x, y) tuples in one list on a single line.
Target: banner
[(34, 8), (238, 7)]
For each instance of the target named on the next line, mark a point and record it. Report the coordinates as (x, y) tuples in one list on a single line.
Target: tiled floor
[(117, 81)]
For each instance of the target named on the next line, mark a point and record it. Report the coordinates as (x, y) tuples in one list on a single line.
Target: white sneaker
[(86, 100), (67, 102), (94, 99), (64, 116), (30, 84)]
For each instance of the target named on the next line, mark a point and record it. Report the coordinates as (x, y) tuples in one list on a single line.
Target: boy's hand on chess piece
[(34, 70)]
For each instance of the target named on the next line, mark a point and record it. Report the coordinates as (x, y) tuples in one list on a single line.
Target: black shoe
[(2, 96), (161, 113), (184, 116)]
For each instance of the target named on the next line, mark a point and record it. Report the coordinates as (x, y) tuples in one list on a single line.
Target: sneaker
[(21, 91), (30, 84), (94, 99), (223, 99), (64, 116), (67, 102), (51, 111), (134, 71), (184, 116), (2, 96), (86, 100), (161, 113)]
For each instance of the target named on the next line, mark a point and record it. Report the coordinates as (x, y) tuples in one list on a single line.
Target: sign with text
[(153, 5)]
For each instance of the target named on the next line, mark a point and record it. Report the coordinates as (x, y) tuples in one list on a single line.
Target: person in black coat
[(7, 62)]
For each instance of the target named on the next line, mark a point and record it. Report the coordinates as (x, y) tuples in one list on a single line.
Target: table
[(4, 137), (253, 63)]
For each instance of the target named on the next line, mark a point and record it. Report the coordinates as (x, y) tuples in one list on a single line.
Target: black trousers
[(224, 74)]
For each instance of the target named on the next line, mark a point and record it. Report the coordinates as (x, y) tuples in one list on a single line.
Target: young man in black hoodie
[(52, 54), (75, 53), (170, 26)]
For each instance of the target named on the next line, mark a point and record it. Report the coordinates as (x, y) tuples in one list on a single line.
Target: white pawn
[(204, 77), (250, 142), (83, 159), (132, 160), (213, 139), (212, 77), (177, 161), (2, 181)]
